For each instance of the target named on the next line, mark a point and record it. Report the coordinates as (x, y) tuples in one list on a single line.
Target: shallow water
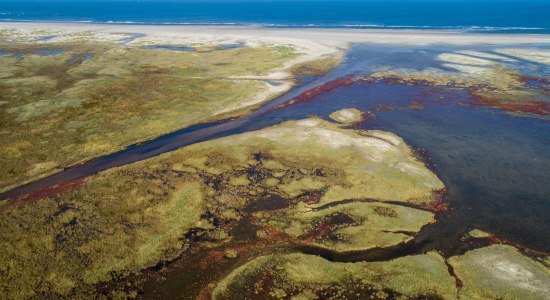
[(45, 38), (48, 52), (229, 46), (494, 165)]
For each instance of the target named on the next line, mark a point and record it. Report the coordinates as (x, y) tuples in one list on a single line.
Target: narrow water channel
[(494, 165)]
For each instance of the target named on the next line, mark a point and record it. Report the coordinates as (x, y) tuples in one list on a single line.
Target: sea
[(485, 16)]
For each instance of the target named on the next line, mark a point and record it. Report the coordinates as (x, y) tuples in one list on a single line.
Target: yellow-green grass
[(493, 272), (129, 218), (501, 272), (355, 226), (478, 234), (113, 226), (285, 275), (96, 98)]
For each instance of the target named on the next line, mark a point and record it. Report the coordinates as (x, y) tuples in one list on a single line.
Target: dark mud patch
[(270, 202), (375, 254), (458, 282)]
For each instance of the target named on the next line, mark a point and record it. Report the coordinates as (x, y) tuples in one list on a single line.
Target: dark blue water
[(500, 16)]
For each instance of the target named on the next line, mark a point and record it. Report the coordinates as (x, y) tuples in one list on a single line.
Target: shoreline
[(332, 37)]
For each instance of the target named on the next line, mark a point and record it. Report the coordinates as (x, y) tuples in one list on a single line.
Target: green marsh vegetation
[(305, 276), (120, 222), (66, 102), (343, 190), (127, 219), (494, 272)]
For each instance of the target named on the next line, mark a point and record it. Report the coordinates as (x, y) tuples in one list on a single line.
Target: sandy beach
[(326, 37)]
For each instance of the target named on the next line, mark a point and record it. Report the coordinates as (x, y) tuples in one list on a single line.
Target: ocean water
[(490, 16)]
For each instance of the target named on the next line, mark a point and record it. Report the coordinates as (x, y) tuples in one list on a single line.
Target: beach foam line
[(473, 28)]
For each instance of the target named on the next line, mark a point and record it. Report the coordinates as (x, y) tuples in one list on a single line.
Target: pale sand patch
[(541, 56), (269, 91), (501, 272), (485, 55), (89, 36), (495, 76), (347, 116), (24, 35), (387, 136), (464, 59)]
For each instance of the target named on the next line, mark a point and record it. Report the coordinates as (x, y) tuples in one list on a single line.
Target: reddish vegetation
[(53, 190), (440, 204), (325, 87), (213, 257), (327, 226), (528, 106), (264, 282), (383, 107), (48, 192), (484, 242), (312, 197)]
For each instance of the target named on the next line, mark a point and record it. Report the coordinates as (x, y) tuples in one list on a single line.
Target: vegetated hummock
[(303, 276), (77, 97), (355, 226), (494, 272), (126, 219), (501, 272), (347, 116)]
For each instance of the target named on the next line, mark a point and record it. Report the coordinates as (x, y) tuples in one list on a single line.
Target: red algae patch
[(47, 192), (541, 108), (323, 88)]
